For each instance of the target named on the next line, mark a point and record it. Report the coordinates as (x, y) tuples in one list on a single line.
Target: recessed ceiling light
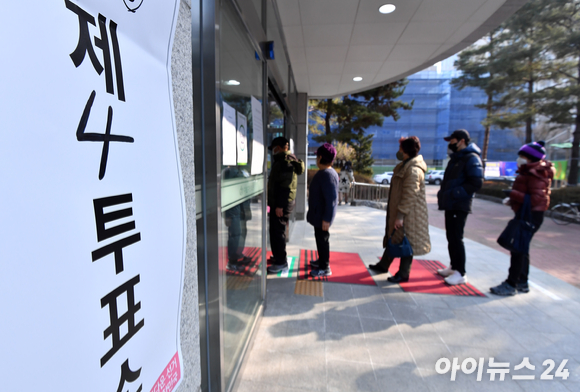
[(357, 78), (387, 8), (232, 83)]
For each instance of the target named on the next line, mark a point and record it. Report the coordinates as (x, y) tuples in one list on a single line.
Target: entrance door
[(230, 162)]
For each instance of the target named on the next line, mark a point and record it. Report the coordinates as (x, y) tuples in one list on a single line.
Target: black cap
[(458, 134), (278, 142)]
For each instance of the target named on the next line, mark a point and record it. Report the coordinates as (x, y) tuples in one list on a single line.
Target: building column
[(301, 152)]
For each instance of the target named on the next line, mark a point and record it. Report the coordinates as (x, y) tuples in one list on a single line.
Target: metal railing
[(372, 192)]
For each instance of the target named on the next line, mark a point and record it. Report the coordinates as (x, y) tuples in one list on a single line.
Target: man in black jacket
[(282, 185), (463, 177)]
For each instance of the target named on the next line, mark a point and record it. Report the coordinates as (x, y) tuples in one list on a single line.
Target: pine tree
[(353, 114), (363, 151), (524, 62), (562, 21), (478, 66)]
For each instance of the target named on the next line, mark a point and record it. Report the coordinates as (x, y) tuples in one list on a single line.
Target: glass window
[(240, 238)]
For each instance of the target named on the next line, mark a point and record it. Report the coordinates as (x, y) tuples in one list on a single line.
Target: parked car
[(384, 178), (435, 177)]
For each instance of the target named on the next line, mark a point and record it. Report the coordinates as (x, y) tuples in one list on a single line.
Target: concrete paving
[(364, 338)]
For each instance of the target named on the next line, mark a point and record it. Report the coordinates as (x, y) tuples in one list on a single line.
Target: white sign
[(257, 166), (242, 137), (92, 226), (492, 169), (229, 136)]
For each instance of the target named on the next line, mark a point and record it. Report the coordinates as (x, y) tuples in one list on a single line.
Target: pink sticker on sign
[(170, 376)]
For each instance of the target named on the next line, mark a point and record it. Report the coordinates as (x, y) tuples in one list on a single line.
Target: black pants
[(404, 266), (237, 232), (520, 262), (454, 225), (278, 233), (323, 246)]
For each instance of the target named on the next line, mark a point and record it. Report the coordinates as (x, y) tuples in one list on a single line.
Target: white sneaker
[(455, 279), (445, 272)]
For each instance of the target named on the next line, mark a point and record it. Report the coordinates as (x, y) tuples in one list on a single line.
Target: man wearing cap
[(463, 177), (282, 185)]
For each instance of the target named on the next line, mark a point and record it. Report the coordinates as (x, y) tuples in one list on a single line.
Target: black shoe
[(320, 273), (377, 268), (315, 263), (505, 289), (233, 267), (275, 268), (397, 279), (245, 260), (523, 287)]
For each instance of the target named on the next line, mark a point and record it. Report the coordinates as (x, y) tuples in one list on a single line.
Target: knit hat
[(327, 152), (534, 151)]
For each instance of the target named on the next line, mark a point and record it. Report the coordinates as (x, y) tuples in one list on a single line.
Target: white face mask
[(521, 161)]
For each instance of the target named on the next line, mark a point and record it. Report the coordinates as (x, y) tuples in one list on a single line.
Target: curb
[(367, 203)]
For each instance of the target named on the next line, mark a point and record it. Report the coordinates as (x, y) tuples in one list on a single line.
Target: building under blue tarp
[(438, 110)]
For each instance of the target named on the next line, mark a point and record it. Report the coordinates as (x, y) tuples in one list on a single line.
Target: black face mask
[(453, 147)]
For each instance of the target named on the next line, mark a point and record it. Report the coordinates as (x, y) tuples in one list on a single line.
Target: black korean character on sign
[(114, 329), (106, 138), (127, 375), (85, 46), (102, 218)]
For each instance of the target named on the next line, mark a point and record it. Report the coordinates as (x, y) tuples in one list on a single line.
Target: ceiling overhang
[(330, 42)]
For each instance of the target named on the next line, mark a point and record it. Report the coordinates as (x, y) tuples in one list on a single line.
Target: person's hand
[(279, 212), (398, 224), (228, 222), (325, 225), (507, 201)]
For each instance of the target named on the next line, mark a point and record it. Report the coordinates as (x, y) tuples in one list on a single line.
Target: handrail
[(373, 192)]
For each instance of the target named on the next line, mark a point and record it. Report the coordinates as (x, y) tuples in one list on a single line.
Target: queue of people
[(407, 220)]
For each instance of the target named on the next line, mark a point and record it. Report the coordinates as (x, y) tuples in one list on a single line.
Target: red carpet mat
[(425, 279), (346, 268), (249, 268)]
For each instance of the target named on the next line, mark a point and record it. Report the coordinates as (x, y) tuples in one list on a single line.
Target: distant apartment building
[(439, 109)]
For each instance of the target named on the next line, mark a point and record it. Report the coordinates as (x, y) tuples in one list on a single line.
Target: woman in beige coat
[(407, 209)]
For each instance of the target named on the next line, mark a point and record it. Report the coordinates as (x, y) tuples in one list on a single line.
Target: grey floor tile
[(262, 366), (400, 378), (253, 386), (337, 292), (380, 329), (374, 309), (419, 332), (351, 376), (302, 343), (427, 355), (342, 308), (534, 341), (442, 383), (389, 353), (346, 348), (304, 372), (541, 386), (352, 341), (363, 291), (429, 301), (403, 313), (342, 325)]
